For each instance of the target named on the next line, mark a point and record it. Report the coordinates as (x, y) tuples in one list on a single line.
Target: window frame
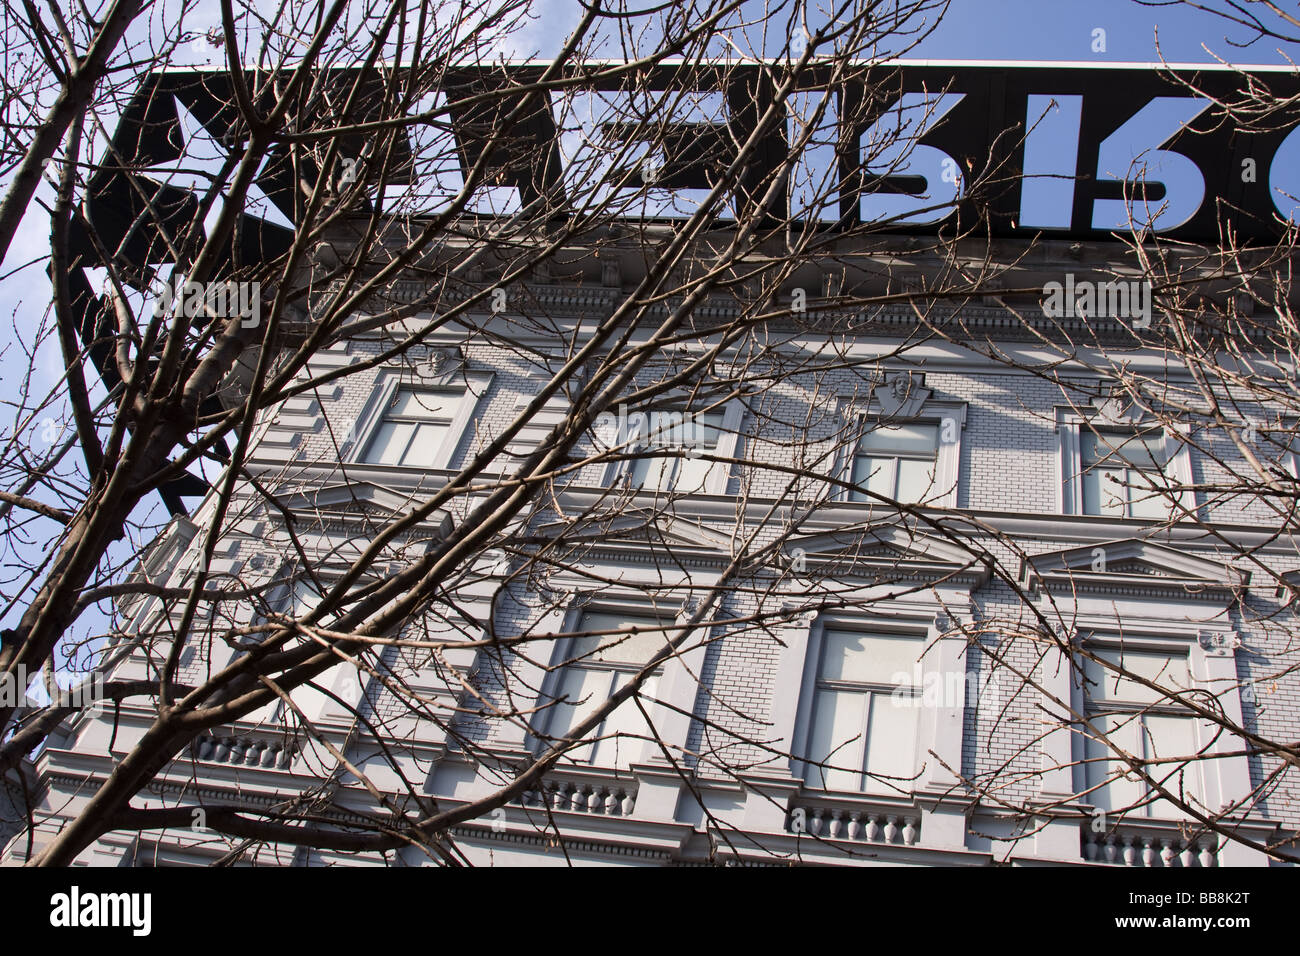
[(813, 683), (634, 434), (1070, 425), (946, 490), (940, 728), (1091, 708), (349, 683), (473, 386), (627, 752), (677, 685)]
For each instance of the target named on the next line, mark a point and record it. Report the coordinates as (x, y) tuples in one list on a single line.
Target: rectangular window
[(1123, 470), (897, 462), (673, 447), (598, 665), (864, 712), (298, 600), (1147, 725), (413, 427)]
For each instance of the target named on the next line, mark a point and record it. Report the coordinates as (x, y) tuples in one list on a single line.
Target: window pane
[(915, 481), (678, 429), (620, 751), (304, 599), (1169, 736), (1167, 671), (1119, 448), (423, 449), (692, 475), (891, 740), (425, 405), (838, 724), (622, 648), (389, 444), (913, 439), (874, 474), (586, 688), (703, 431), (885, 659), (1101, 493), (1145, 501), (1125, 731), (652, 472)]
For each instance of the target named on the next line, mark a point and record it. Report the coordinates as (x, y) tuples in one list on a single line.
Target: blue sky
[(1060, 30), (1057, 30)]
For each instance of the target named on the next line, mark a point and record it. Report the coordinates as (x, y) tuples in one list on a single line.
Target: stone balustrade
[(867, 826), (1132, 848), (248, 751), (612, 800)]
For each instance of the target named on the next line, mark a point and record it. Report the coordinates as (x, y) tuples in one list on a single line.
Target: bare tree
[(635, 390)]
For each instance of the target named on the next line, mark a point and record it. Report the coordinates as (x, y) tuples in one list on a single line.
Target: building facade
[(894, 704)]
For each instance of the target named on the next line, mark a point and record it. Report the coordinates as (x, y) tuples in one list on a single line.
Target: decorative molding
[(901, 394), (1115, 407), (1219, 643), (444, 364), (547, 841), (1166, 572)]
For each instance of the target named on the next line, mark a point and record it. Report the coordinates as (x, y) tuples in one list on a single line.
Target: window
[(1146, 724), (296, 600), (413, 427), (678, 449), (410, 425), (898, 462), (598, 666), (673, 447), (1116, 464), (864, 719), (1123, 472)]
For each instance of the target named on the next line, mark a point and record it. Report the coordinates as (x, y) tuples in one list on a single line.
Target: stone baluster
[(815, 824), (909, 831), (855, 825), (1186, 856), (1167, 853), (891, 829), (834, 832), (873, 827), (1130, 851), (1207, 853)]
